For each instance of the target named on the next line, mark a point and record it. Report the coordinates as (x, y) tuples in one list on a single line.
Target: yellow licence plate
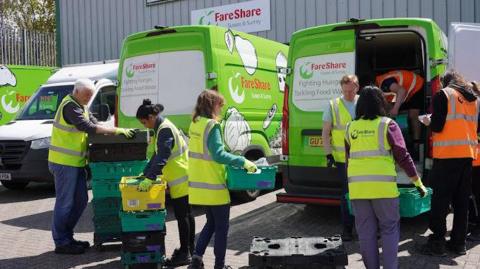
[(315, 141)]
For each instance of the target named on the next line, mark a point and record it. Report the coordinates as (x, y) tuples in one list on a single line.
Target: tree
[(36, 15)]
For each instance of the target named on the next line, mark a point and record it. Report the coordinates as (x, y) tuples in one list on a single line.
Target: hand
[(128, 133), (145, 185), (251, 167), (426, 120), (330, 161), (420, 187)]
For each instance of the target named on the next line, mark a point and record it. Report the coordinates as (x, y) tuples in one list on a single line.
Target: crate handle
[(258, 171)]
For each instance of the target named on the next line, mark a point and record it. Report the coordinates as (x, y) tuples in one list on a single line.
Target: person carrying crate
[(170, 163), (207, 176), (67, 161), (373, 143)]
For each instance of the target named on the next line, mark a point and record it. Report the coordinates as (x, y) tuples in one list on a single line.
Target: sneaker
[(458, 249), (196, 263), (84, 244), (347, 235), (70, 249), (432, 248), (179, 258)]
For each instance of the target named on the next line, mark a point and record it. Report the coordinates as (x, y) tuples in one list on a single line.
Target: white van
[(24, 141)]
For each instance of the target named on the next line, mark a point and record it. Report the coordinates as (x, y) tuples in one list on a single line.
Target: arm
[(439, 113), (400, 98), (165, 144), (327, 128), (399, 151), (217, 149), (74, 115)]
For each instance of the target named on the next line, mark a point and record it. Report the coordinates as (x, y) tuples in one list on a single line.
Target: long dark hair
[(147, 108), (206, 103), (371, 104)]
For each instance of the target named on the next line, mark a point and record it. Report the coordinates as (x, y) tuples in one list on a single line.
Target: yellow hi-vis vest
[(68, 145), (206, 178), (340, 118), (175, 171), (371, 167)]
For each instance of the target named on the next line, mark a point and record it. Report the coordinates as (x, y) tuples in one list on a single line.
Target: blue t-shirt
[(327, 114)]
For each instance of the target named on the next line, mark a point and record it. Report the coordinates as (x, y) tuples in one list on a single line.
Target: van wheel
[(247, 196), (14, 185)]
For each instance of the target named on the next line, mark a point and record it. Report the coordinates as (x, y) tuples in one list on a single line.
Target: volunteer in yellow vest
[(207, 177), (453, 123), (170, 163), (407, 86), (340, 112), (373, 144), (67, 160)]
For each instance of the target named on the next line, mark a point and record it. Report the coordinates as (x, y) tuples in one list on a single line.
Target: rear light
[(285, 122), (436, 85)]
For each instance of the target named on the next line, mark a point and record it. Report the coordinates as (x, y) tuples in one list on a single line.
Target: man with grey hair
[(67, 160)]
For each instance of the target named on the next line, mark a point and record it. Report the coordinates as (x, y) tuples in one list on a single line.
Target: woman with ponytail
[(170, 163)]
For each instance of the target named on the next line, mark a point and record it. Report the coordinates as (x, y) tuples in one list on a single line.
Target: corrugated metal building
[(93, 30)]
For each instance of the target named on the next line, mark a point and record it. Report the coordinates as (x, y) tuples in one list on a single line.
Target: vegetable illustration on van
[(7, 77), (182, 61), (319, 57)]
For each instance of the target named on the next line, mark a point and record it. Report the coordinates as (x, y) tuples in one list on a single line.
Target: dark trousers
[(347, 219), (186, 223), (474, 207), (451, 184), (71, 198), (218, 223)]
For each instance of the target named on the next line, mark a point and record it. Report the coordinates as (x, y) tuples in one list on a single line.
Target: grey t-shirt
[(327, 114)]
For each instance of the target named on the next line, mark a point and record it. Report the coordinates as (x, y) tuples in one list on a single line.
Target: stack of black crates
[(111, 158)]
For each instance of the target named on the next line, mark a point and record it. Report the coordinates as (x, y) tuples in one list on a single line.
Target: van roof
[(91, 71)]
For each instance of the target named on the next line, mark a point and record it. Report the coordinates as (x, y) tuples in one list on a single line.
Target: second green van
[(172, 65)]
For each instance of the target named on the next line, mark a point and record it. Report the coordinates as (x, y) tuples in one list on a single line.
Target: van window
[(105, 97), (316, 79), (43, 105), (174, 79)]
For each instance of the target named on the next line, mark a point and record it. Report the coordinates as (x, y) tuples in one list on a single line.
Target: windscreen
[(43, 105), (173, 79)]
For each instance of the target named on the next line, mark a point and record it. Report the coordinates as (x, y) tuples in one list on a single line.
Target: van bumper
[(306, 199), (33, 167)]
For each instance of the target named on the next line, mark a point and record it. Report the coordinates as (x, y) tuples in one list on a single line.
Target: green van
[(317, 59), (172, 65), (17, 84)]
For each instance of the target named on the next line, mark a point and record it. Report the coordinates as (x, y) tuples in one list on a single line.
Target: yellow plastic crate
[(135, 200)]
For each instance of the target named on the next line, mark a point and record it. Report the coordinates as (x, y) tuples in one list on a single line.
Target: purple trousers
[(378, 215)]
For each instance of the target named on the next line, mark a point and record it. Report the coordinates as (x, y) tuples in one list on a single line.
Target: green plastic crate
[(143, 221), (116, 170), (106, 206), (103, 189), (238, 178), (107, 224), (411, 204), (129, 258)]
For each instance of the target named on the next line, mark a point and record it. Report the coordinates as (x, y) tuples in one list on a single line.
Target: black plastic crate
[(99, 239), (297, 252), (141, 137), (117, 152), (143, 241)]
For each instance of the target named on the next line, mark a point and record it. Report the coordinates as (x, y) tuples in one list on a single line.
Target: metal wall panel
[(93, 30)]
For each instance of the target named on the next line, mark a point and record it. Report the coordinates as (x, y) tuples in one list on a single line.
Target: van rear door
[(464, 49), (319, 61)]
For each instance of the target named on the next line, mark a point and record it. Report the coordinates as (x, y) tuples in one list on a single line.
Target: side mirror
[(104, 112)]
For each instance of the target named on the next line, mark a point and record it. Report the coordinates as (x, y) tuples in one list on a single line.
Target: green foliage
[(38, 15)]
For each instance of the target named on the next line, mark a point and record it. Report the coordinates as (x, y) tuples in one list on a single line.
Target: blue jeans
[(217, 222), (347, 219), (71, 199)]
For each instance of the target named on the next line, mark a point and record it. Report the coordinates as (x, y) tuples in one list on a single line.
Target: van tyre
[(14, 185), (247, 196)]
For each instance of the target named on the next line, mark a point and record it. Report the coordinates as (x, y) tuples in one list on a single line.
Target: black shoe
[(432, 248), (474, 235), (223, 267), (196, 263), (458, 249), (84, 244), (347, 235), (179, 258), (70, 249)]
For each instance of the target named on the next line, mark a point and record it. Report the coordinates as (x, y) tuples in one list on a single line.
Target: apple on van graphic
[(281, 62), (8, 107), (7, 77), (237, 132)]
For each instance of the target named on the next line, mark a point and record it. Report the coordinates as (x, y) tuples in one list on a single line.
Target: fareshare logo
[(207, 19), (306, 71), (233, 88), (129, 71), (8, 107)]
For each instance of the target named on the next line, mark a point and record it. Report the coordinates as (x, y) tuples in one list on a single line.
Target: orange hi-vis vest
[(458, 139), (410, 81), (476, 162)]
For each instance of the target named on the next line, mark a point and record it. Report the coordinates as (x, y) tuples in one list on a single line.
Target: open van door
[(318, 62), (464, 49)]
